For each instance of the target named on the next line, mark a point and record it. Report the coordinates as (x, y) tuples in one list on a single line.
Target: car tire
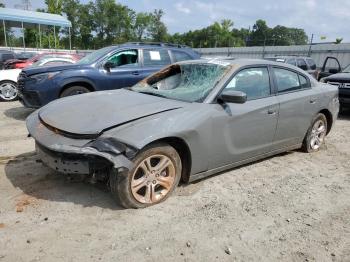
[(316, 134), (8, 91), (155, 174), (74, 90)]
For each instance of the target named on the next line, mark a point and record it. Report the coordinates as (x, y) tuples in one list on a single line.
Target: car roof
[(241, 62), (155, 45), (290, 56)]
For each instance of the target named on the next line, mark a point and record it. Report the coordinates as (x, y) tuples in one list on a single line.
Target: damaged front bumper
[(78, 156)]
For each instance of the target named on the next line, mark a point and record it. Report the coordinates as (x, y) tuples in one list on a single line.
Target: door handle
[(135, 73), (271, 112)]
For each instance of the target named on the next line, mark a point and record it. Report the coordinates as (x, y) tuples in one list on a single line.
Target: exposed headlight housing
[(43, 76), (322, 80)]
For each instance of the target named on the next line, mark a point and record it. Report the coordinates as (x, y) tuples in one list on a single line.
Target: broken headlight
[(112, 146)]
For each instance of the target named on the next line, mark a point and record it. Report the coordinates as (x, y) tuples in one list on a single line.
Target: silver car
[(188, 121)]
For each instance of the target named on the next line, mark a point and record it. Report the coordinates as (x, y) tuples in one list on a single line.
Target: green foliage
[(279, 35), (338, 40), (99, 23)]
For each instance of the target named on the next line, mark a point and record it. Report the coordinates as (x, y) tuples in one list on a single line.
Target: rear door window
[(286, 80), (301, 64), (311, 64), (156, 57)]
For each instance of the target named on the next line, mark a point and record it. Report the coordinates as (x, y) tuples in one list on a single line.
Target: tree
[(338, 40), (71, 8), (158, 30), (99, 23), (142, 25), (54, 6)]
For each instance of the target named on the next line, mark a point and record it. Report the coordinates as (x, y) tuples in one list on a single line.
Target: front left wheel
[(155, 174), (74, 90), (8, 90)]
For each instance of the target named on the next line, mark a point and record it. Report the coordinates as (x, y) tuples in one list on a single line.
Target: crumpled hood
[(90, 114)]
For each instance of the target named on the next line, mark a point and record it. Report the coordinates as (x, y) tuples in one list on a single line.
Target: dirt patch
[(24, 201), (291, 207)]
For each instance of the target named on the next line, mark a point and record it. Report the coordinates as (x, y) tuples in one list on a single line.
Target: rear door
[(245, 130), (153, 60), (298, 104)]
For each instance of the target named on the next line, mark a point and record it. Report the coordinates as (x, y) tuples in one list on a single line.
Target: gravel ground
[(291, 207)]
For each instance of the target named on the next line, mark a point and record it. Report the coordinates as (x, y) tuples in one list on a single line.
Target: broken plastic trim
[(112, 146)]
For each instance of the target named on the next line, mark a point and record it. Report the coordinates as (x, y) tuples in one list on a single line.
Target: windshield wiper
[(152, 94)]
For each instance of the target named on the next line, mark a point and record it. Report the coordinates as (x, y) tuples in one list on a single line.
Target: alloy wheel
[(8, 91), (318, 134), (153, 179)]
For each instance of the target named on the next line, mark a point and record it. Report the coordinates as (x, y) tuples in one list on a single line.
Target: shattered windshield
[(347, 69), (185, 82)]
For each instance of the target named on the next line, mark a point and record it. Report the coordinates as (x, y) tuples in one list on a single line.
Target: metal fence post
[(4, 27)]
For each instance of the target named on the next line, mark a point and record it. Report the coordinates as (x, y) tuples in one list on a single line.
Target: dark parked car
[(109, 68), (20, 64), (188, 121), (304, 63), (4, 56), (342, 81), (19, 58)]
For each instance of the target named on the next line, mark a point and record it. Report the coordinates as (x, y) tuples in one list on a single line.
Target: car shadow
[(244, 165), (18, 113), (344, 115), (27, 173)]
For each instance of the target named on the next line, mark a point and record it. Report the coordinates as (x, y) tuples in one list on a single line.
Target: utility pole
[(312, 38)]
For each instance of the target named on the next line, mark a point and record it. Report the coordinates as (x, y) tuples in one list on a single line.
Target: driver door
[(125, 69), (242, 131)]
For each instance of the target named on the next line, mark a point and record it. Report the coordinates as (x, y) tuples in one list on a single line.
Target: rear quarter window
[(304, 83), (180, 56)]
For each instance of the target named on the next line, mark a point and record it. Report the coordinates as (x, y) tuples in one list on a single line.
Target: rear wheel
[(74, 90), (155, 174), (8, 90), (316, 134)]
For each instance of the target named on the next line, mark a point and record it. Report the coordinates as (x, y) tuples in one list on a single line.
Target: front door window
[(124, 58)]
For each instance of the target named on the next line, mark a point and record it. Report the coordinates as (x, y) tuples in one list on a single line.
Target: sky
[(319, 17)]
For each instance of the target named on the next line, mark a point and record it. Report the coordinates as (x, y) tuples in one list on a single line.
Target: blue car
[(108, 68)]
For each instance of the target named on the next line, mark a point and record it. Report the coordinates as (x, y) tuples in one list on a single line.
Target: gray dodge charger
[(187, 121)]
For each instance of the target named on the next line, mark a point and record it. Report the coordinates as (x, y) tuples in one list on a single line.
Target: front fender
[(194, 128), (68, 80)]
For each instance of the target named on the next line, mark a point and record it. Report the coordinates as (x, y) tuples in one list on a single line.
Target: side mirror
[(108, 65), (236, 97), (333, 71)]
